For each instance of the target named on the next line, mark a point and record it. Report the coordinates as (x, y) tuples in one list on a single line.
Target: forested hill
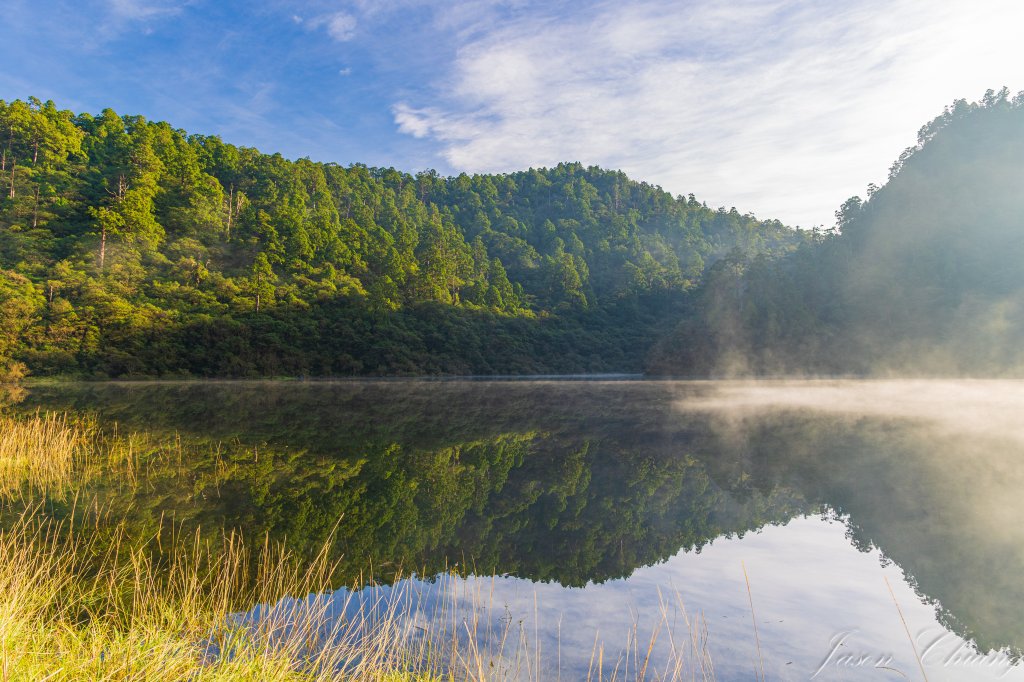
[(924, 277), (131, 248)]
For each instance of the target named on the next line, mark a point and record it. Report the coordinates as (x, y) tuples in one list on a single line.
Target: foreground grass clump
[(70, 610), (84, 597), (41, 452), (79, 604)]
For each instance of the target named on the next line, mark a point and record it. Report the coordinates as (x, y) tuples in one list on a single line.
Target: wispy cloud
[(341, 26), (785, 107), (781, 107), (124, 17), (142, 9)]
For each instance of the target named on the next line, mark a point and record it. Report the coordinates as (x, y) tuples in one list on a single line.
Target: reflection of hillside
[(562, 481), (329, 416), (568, 482), (943, 506)]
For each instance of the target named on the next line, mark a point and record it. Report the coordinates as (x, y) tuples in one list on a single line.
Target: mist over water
[(930, 472), (989, 408)]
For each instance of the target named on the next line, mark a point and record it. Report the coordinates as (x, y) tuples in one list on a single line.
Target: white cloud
[(415, 122), (128, 15), (340, 26), (141, 9), (783, 107)]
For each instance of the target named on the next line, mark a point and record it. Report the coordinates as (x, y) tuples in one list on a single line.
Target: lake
[(830, 530)]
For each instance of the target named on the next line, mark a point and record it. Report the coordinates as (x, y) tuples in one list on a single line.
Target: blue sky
[(783, 108)]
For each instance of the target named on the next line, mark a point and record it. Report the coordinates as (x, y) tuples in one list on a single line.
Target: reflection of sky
[(823, 612)]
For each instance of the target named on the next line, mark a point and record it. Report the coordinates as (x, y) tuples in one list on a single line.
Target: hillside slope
[(924, 277), (130, 248)]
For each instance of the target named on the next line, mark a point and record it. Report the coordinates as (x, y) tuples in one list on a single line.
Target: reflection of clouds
[(808, 586)]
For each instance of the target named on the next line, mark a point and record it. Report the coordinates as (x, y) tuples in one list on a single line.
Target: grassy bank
[(83, 601), (70, 611), (76, 604)]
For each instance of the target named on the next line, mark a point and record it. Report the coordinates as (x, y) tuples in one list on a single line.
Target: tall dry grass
[(70, 610), (76, 604), (41, 452)]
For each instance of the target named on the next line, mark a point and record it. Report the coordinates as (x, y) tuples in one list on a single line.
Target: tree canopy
[(129, 247)]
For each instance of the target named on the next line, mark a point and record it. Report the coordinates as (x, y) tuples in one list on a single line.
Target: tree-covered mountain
[(923, 277), (128, 247)]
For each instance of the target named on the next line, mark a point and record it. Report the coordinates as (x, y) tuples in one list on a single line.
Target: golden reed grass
[(41, 452), (76, 604)]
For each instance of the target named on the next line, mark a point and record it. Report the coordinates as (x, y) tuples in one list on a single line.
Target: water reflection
[(929, 472), (620, 487), (823, 611)]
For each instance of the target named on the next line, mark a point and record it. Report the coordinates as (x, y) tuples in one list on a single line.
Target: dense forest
[(923, 277), (130, 248)]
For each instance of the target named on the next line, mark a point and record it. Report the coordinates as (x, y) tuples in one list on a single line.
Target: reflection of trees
[(561, 481), (566, 482), (935, 503)]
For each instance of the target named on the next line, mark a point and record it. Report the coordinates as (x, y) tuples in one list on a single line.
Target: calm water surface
[(873, 520)]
